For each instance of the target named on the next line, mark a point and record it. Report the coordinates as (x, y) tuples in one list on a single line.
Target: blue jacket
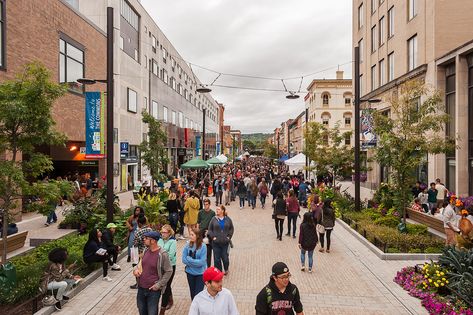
[(195, 261)]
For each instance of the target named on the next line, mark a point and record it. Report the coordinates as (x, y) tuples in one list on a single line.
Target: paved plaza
[(349, 280)]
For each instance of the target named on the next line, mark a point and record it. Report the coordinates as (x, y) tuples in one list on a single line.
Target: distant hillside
[(256, 137)]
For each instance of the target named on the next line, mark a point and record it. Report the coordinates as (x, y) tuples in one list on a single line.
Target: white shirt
[(449, 216), (441, 191), (222, 304)]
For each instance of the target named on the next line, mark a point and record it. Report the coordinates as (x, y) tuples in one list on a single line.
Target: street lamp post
[(306, 157), (203, 133), (109, 81)]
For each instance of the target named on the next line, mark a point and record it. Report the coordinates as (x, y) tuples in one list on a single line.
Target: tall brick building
[(71, 47)]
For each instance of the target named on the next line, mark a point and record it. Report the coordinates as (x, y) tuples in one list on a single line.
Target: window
[(181, 120), (412, 9), (373, 78), (360, 45), (347, 139), (153, 43), (129, 30), (165, 114), (192, 125), (173, 117), (382, 73), (132, 100), (347, 101), (173, 84), (187, 123), (391, 67), (373, 6), (412, 53), (71, 65), (325, 118), (145, 104), (185, 94), (381, 31), (121, 43), (391, 22), (325, 98), (450, 91), (129, 14), (360, 16), (173, 64), (165, 76), (373, 39), (154, 109), (155, 68), (179, 88), (347, 118), (165, 54)]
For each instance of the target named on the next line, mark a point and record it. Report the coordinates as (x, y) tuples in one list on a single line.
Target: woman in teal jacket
[(169, 244), (194, 257)]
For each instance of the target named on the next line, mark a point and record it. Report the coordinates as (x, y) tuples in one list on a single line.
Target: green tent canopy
[(215, 161), (195, 163)]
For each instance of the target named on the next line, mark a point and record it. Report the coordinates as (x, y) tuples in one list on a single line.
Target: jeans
[(52, 217), (167, 295), (242, 201), (221, 255), (249, 196), (292, 217), (321, 237), (131, 238), (310, 255), (262, 198), (279, 226), (147, 301), (62, 287), (173, 220), (196, 284), (218, 197)]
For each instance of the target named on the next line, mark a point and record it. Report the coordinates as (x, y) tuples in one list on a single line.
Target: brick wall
[(32, 32)]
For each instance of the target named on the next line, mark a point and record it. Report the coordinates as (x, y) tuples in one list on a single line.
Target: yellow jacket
[(191, 208)]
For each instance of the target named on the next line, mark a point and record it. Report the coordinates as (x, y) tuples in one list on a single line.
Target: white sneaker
[(182, 237), (107, 278), (116, 267), (310, 270)]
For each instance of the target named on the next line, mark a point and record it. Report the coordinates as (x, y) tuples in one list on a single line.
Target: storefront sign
[(181, 152), (89, 163), (124, 150), (94, 125)]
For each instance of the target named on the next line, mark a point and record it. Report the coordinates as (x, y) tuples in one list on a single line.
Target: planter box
[(386, 256), (426, 219)]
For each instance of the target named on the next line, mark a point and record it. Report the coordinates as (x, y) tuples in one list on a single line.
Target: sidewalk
[(349, 280)]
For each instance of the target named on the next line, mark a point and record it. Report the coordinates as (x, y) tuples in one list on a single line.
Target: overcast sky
[(268, 38)]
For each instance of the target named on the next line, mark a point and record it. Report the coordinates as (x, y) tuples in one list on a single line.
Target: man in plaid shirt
[(142, 229)]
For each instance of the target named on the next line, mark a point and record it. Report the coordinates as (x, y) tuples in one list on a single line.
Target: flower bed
[(445, 287)]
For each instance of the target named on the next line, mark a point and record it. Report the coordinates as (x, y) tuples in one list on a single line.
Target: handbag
[(320, 228), (134, 255), (49, 300)]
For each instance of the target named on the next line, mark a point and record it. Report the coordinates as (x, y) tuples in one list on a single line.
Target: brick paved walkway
[(349, 280)]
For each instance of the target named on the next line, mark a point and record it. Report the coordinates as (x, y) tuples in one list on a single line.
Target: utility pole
[(357, 130), (306, 157), (203, 133), (110, 94)]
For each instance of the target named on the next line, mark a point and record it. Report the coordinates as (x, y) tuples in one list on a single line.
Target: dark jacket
[(270, 301), (222, 237), (241, 190), (280, 207), (327, 218), (173, 206), (308, 236), (107, 240), (90, 248)]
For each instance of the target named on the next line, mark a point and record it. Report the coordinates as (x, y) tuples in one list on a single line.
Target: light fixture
[(73, 148), (292, 96), (203, 89), (372, 101), (87, 81)]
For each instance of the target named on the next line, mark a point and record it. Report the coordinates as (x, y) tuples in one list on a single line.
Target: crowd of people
[(208, 232)]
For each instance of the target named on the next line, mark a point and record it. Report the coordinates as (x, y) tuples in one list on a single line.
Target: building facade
[(71, 47), (296, 131), (152, 76), (402, 40), (330, 102)]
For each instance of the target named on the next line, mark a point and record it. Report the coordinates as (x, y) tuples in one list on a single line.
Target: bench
[(426, 219), (14, 242)]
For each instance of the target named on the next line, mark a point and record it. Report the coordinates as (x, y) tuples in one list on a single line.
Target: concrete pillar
[(437, 163), (461, 126)]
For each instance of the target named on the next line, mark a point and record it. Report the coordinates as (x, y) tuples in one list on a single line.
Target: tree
[(326, 148), (270, 151), (248, 145), (408, 134), (25, 123), (153, 150)]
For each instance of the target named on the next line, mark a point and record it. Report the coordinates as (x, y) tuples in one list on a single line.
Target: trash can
[(7, 275)]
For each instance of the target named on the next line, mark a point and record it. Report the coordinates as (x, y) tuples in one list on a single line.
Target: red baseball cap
[(212, 274)]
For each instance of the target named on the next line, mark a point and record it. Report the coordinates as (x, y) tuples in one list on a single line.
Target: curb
[(386, 256), (47, 310)]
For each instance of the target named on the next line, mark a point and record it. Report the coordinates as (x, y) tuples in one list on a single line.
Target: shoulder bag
[(320, 228)]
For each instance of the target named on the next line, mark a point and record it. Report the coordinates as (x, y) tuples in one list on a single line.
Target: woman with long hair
[(169, 244), (279, 214), (307, 240), (327, 220), (132, 225), (194, 257), (93, 252), (221, 232)]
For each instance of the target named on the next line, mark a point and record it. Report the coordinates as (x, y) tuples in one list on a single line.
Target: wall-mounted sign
[(124, 150), (89, 163), (181, 151)]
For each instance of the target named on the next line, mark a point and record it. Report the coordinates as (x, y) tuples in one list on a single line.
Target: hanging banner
[(94, 125), (368, 138), (197, 145)]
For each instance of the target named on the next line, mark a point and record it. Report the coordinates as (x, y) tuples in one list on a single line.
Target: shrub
[(417, 229), (389, 221)]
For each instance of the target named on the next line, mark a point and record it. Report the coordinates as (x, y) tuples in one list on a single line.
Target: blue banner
[(94, 125), (197, 145)]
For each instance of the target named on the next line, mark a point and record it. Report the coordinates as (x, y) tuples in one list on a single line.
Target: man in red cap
[(214, 299)]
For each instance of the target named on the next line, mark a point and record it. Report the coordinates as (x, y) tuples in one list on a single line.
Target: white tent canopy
[(298, 160), (222, 158)]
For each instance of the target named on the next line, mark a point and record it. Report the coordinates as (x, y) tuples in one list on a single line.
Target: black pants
[(112, 255), (218, 197), (321, 238), (291, 217), (168, 293), (209, 254), (279, 226), (181, 221), (104, 259)]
